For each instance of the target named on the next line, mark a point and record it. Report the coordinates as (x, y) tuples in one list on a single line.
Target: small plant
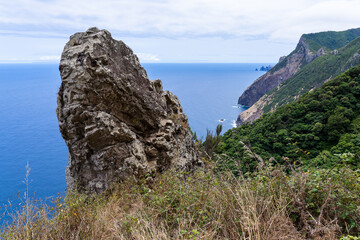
[(212, 141), (349, 238), (272, 203)]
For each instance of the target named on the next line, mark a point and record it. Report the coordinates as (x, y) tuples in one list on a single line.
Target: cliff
[(301, 61), (116, 123), (285, 69)]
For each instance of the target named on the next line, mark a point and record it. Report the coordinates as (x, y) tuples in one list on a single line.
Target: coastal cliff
[(116, 123), (285, 69), (326, 53)]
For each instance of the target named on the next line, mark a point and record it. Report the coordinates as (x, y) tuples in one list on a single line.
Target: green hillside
[(314, 74), (315, 130), (330, 40)]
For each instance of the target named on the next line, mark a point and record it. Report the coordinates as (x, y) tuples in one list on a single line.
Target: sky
[(172, 30)]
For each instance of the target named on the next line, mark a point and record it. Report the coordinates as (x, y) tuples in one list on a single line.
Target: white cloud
[(272, 22), (148, 57), (30, 49), (175, 18), (50, 58)]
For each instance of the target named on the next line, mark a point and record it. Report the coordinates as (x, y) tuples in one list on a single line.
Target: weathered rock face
[(254, 112), (266, 89), (255, 95), (285, 69), (116, 123)]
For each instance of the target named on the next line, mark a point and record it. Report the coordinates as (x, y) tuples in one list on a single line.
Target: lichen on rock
[(116, 123)]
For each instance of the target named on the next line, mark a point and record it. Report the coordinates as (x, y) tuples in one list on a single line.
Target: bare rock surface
[(285, 69), (254, 112), (116, 123)]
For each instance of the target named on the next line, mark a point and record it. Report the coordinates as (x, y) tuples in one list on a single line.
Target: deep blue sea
[(29, 128)]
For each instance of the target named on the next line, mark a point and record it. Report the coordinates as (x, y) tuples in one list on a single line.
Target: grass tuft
[(269, 204)]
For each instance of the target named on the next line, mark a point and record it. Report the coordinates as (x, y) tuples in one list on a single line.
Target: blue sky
[(171, 30)]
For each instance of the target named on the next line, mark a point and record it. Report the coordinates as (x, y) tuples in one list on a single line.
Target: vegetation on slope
[(271, 204), (330, 40), (316, 130), (314, 74)]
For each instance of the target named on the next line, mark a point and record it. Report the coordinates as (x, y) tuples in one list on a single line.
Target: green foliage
[(349, 237), (211, 142), (330, 40), (339, 188), (313, 130), (273, 203), (313, 75)]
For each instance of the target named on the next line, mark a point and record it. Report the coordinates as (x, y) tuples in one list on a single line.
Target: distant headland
[(264, 68)]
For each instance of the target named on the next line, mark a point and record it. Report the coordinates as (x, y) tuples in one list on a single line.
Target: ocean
[(29, 130)]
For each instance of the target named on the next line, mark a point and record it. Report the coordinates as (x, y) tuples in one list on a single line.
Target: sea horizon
[(29, 130)]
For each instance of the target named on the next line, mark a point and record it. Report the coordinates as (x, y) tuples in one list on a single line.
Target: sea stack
[(116, 123)]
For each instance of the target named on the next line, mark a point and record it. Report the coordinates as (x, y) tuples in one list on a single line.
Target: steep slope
[(331, 40), (312, 129), (116, 123), (310, 76), (310, 46), (280, 72), (314, 74)]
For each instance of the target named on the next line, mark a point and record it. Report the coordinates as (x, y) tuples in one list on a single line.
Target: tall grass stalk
[(270, 204)]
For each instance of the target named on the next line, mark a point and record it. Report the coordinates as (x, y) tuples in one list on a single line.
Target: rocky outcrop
[(116, 123), (282, 58), (254, 112), (285, 69), (352, 62)]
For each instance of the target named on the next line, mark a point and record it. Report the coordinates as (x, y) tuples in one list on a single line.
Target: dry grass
[(267, 205)]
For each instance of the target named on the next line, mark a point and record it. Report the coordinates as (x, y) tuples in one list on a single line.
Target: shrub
[(272, 203)]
